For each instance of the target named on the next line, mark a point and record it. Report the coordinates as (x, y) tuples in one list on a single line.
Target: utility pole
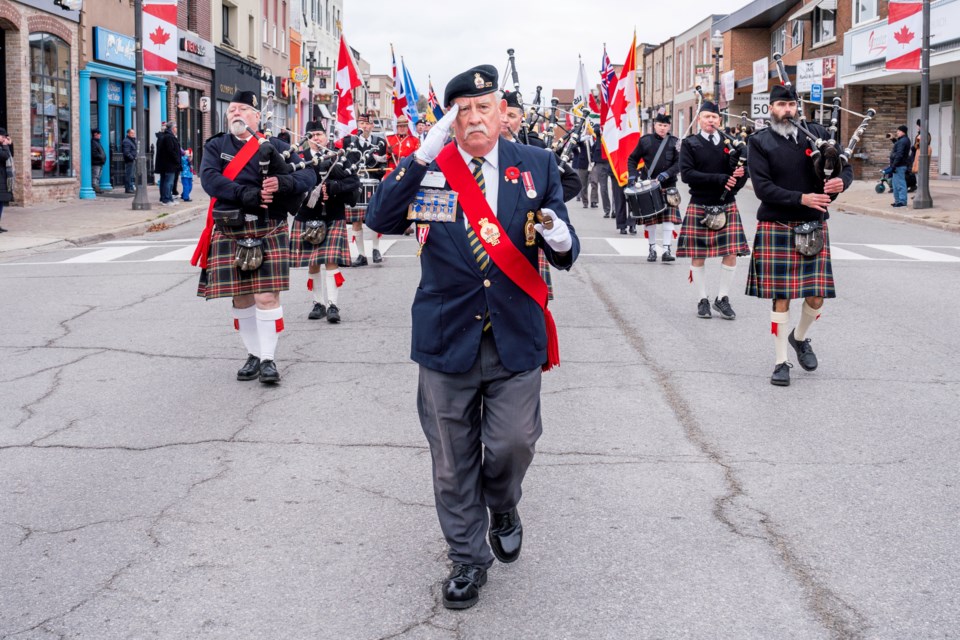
[(923, 200), (141, 202)]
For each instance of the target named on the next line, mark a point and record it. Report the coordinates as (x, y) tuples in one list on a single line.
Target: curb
[(900, 217), (138, 228)]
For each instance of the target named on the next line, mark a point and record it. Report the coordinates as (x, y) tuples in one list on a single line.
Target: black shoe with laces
[(377, 257), (667, 256), (723, 306), (333, 314), (703, 309), (506, 535), (652, 256), (461, 589), (250, 369), (781, 375), (268, 372), (318, 312), (361, 261), (805, 355)]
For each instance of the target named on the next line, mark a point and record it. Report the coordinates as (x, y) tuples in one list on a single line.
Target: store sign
[(284, 87), (729, 85), (761, 75), (114, 92), (197, 50), (299, 74), (704, 77), (822, 71), (115, 48)]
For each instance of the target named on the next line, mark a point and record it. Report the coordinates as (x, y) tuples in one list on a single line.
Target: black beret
[(513, 99), (314, 125), (782, 92), (903, 128), (478, 81), (709, 106), (248, 98), (662, 118)]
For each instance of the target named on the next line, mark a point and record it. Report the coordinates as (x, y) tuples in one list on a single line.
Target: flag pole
[(923, 200), (141, 202)]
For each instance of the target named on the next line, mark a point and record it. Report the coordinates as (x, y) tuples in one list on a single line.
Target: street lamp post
[(311, 46), (141, 202), (717, 41)]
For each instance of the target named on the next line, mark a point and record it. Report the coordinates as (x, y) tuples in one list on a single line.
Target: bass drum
[(644, 201), (368, 186)]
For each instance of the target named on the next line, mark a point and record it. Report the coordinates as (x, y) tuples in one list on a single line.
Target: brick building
[(191, 94), (693, 52)]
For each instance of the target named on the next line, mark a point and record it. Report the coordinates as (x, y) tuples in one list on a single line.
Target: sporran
[(808, 238), (314, 231), (714, 218), (249, 254)]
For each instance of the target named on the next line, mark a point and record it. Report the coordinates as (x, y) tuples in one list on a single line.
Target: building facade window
[(192, 15), (778, 40), (226, 16), (681, 80), (796, 33), (283, 33), (824, 25), (693, 64), (668, 71), (657, 78), (50, 108), (864, 10), (266, 21)]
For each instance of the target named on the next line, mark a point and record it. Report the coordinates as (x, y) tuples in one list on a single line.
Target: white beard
[(784, 127), (238, 128)]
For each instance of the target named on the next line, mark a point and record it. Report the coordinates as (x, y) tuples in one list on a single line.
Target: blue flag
[(412, 96)]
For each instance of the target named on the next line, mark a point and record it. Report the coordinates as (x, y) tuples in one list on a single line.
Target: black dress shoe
[(781, 375), (667, 256), (2, 230), (377, 256), (318, 312), (461, 590), (652, 255), (606, 215), (623, 232), (594, 206), (633, 231), (361, 261), (268, 372), (250, 369), (805, 355), (506, 535), (333, 314)]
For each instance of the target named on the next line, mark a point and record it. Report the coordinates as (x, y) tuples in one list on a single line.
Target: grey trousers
[(482, 427), (602, 175), (584, 175)]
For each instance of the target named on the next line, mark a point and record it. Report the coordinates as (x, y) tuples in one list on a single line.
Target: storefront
[(108, 103), (232, 74), (193, 92)]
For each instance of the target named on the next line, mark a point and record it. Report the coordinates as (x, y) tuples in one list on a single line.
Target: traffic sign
[(760, 106), (816, 93)]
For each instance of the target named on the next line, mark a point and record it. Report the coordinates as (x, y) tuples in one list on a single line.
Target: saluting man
[(705, 167), (230, 174), (661, 162), (791, 194), (481, 330)]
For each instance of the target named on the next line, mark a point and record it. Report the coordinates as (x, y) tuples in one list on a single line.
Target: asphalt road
[(675, 492)]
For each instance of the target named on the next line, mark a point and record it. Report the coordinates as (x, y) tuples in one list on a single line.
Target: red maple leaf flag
[(159, 36), (160, 51), (904, 22)]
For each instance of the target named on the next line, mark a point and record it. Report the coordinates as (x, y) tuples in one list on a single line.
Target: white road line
[(838, 253), (183, 253), (104, 255), (123, 242), (916, 253), (628, 246)]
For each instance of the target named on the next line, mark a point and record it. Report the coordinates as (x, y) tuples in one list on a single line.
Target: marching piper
[(793, 199), (711, 227), (251, 212), (659, 152), (318, 237), (370, 151)]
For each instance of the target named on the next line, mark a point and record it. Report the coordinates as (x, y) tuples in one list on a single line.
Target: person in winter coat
[(98, 158)]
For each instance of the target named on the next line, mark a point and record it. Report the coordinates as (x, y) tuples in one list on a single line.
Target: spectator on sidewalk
[(98, 158), (899, 164), (167, 161), (6, 171), (186, 173), (128, 148)]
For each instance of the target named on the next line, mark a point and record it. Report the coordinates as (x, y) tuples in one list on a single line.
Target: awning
[(806, 13)]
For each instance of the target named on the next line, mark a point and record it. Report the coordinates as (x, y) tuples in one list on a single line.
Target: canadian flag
[(621, 128), (160, 37), (348, 79), (904, 34)]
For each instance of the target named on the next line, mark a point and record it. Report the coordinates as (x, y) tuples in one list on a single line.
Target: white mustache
[(477, 128)]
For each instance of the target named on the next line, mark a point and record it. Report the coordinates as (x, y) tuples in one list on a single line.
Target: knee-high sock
[(376, 241), (778, 327), (667, 234), (358, 238), (315, 285), (808, 315), (726, 277), (334, 281), (699, 278), (650, 233), (269, 326), (245, 321)]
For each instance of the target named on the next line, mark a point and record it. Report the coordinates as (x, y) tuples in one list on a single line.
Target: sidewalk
[(76, 222), (861, 198)]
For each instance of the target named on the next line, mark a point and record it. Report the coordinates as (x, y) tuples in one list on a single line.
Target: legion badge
[(489, 232), (529, 233)]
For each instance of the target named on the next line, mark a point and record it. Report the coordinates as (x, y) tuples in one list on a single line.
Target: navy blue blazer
[(454, 295)]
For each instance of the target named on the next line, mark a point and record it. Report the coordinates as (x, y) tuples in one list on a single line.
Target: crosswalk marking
[(181, 254), (627, 246), (839, 253), (915, 253), (103, 255)]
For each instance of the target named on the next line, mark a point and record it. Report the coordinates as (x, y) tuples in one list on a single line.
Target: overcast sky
[(443, 38)]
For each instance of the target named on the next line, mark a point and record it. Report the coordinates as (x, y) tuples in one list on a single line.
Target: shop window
[(824, 25), (864, 10), (50, 108)]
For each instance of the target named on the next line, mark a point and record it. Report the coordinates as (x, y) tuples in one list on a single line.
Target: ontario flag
[(904, 34), (399, 95), (160, 37), (621, 128), (348, 79)]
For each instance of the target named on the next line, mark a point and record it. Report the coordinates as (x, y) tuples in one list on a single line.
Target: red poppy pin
[(511, 174), (809, 152), (726, 150)]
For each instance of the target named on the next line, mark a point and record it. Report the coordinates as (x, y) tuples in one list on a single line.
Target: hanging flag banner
[(160, 37), (904, 35)]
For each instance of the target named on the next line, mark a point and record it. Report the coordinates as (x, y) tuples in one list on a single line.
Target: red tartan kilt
[(221, 279), (696, 241), (334, 248), (355, 214), (778, 271), (670, 214)]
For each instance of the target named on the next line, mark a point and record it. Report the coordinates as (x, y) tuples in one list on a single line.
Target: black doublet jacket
[(781, 172), (705, 168), (217, 154), (342, 190), (646, 150)]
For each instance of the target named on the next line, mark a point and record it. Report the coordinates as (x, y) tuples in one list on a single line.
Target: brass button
[(486, 283), (478, 317)]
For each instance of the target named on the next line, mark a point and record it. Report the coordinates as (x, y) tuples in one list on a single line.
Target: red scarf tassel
[(553, 342)]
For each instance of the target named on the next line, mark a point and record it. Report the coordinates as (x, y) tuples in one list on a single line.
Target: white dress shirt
[(491, 175)]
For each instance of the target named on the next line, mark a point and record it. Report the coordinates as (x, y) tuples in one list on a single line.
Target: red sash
[(504, 254), (233, 168)]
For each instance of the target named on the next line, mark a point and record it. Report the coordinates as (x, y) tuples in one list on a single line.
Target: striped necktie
[(478, 251)]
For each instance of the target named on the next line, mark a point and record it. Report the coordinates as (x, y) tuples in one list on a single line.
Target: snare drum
[(368, 186), (644, 201)]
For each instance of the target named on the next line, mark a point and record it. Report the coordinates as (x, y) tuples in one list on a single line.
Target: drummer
[(658, 157), (372, 155)]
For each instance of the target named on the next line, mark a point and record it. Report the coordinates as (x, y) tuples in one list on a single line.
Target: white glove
[(379, 158), (559, 236), (437, 137)]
